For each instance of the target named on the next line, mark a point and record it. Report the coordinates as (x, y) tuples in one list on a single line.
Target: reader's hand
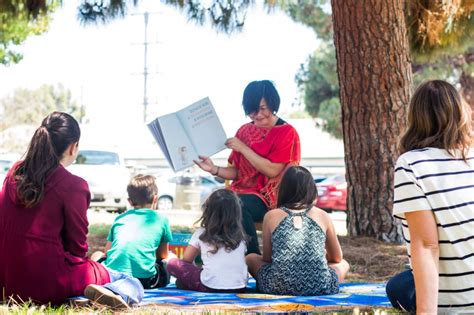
[(205, 163), (235, 144)]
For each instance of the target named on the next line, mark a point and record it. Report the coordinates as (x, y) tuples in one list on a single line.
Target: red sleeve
[(76, 203), (286, 148), (234, 156)]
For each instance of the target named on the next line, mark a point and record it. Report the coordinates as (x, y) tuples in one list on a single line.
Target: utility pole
[(145, 63), (145, 68)]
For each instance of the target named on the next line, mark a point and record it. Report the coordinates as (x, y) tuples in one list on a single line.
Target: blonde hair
[(438, 117)]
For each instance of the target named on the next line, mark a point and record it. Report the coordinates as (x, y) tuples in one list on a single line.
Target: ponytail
[(49, 142)]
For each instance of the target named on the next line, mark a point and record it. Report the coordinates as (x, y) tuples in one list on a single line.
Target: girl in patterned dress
[(301, 252)]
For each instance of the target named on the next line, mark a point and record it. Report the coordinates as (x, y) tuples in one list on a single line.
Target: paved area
[(189, 217)]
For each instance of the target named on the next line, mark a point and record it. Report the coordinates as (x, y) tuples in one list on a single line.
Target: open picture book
[(192, 131)]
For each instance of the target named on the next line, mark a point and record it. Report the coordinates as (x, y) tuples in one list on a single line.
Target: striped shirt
[(431, 179)]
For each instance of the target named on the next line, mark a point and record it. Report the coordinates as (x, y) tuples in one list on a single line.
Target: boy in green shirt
[(138, 239)]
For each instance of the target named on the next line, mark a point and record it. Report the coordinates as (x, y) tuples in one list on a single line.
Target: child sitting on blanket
[(301, 252), (221, 243), (138, 239)]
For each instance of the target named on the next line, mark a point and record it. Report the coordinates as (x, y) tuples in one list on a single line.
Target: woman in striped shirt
[(434, 198)]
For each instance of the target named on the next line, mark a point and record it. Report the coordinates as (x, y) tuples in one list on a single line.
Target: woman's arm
[(263, 165), (74, 233), (190, 253), (108, 246), (206, 164), (267, 229), (424, 249)]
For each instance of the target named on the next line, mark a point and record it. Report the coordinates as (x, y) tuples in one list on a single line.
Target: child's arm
[(333, 248), (108, 246), (162, 251), (424, 247), (267, 239), (190, 253)]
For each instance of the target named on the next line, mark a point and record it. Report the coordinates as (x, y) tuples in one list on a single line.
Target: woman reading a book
[(261, 151)]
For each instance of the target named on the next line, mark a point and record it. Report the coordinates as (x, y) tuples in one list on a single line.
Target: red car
[(332, 193)]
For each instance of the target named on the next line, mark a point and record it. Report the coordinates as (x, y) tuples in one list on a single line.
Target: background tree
[(375, 79), (26, 107), (442, 35), (319, 87), (18, 21), (441, 46)]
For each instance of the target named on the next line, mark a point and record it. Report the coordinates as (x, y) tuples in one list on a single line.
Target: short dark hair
[(297, 189), (258, 90), (142, 189)]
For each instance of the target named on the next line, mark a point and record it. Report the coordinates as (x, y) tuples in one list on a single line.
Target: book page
[(203, 127), (155, 130), (174, 142)]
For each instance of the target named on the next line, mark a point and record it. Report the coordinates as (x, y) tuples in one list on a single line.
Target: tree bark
[(375, 79), (467, 83)]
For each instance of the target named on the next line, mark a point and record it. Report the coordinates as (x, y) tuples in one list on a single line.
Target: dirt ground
[(370, 260)]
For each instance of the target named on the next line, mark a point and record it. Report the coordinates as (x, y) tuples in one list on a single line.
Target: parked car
[(6, 162), (167, 188), (319, 178), (332, 193), (107, 177)]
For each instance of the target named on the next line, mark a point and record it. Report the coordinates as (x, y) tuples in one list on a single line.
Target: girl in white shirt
[(221, 243)]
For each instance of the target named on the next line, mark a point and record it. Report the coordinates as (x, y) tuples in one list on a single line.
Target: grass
[(30, 309), (371, 261)]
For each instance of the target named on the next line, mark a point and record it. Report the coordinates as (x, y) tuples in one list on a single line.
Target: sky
[(102, 65)]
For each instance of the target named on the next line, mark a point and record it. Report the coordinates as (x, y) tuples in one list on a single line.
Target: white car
[(167, 189), (6, 161), (107, 177)]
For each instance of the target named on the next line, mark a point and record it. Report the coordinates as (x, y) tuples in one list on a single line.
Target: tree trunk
[(375, 78), (467, 83)]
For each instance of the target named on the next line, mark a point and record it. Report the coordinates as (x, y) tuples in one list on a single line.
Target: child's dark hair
[(222, 221), (142, 189), (297, 189), (57, 132)]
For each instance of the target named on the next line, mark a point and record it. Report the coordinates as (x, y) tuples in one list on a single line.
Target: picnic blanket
[(362, 295)]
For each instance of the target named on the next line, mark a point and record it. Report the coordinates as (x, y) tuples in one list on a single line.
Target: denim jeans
[(401, 291), (129, 288)]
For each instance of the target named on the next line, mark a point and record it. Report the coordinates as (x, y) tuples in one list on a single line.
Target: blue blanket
[(351, 295)]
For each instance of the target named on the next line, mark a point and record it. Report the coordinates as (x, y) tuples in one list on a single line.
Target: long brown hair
[(297, 189), (48, 144), (222, 221), (439, 118)]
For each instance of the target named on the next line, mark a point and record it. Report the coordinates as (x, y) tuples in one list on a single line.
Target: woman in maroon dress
[(43, 224), (261, 151)]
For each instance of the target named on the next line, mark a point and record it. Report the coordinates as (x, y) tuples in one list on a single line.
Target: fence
[(317, 165)]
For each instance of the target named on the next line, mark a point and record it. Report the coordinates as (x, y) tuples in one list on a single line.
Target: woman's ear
[(70, 154), (73, 148)]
